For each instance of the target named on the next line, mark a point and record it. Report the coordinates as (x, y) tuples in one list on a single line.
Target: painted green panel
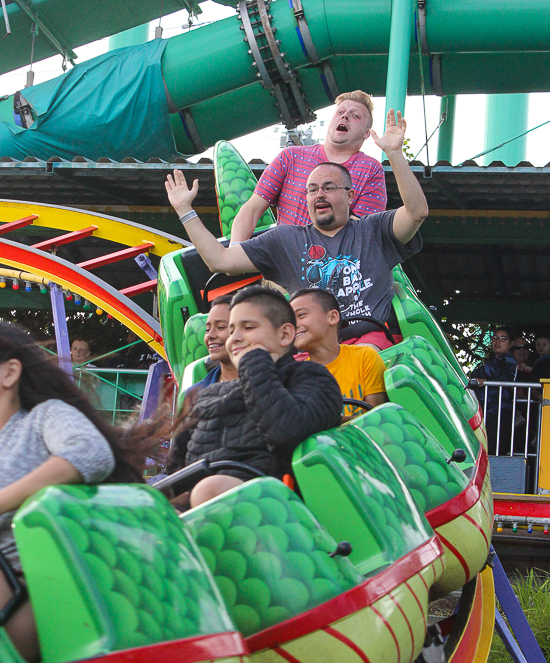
[(416, 454), (176, 305), (436, 366), (416, 320), (235, 184)]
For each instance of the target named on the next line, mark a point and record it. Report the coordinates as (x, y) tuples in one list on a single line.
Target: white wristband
[(188, 216)]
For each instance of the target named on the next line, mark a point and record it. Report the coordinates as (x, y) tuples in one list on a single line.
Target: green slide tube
[(217, 90)]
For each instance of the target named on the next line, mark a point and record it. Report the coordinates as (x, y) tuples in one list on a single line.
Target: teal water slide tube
[(269, 63)]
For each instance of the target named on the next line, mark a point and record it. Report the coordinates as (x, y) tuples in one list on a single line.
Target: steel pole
[(506, 117), (401, 28), (446, 131)]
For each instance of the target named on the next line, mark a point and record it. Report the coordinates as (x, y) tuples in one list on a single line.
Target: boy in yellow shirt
[(359, 370)]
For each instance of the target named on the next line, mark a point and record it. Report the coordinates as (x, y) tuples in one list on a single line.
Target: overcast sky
[(264, 144)]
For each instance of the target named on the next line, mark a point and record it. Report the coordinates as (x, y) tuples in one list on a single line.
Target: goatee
[(325, 220)]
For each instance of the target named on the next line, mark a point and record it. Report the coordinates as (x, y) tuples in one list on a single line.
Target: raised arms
[(410, 216), (218, 258)]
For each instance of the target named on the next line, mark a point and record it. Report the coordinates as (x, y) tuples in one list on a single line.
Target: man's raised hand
[(180, 195), (392, 140)]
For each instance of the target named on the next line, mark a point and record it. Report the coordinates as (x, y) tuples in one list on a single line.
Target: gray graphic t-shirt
[(355, 264)]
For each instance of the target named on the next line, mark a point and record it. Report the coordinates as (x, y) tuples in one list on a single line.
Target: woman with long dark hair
[(49, 435)]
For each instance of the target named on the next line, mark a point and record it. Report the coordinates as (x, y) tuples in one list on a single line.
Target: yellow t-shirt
[(359, 371)]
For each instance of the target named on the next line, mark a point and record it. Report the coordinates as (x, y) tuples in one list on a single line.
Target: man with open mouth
[(352, 258), (283, 181)]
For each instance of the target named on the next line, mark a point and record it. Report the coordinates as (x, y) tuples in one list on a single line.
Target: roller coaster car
[(257, 574), (245, 576)]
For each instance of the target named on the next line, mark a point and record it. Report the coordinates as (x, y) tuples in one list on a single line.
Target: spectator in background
[(521, 352), (541, 367), (81, 351), (499, 366), (542, 344)]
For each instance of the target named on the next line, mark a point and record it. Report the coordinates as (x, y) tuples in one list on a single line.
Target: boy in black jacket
[(276, 403)]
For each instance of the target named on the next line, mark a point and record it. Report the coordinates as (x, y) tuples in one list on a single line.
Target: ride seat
[(357, 494), (415, 453), (268, 554), (410, 384), (111, 568), (437, 366), (400, 277), (415, 319), (182, 280)]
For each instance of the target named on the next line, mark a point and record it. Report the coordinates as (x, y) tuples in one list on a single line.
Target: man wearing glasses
[(352, 258), (499, 366)]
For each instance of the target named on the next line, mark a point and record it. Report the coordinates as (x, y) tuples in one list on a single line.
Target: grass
[(533, 592)]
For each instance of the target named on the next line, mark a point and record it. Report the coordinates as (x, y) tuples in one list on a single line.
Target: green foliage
[(533, 593), (407, 149), (471, 342)]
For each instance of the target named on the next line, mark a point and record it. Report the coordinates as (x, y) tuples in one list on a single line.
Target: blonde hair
[(359, 97)]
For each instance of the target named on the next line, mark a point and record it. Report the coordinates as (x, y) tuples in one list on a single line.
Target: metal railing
[(115, 391), (532, 410), (515, 430)]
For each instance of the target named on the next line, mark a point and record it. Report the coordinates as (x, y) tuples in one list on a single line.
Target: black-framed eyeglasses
[(500, 338), (327, 188), (520, 347)]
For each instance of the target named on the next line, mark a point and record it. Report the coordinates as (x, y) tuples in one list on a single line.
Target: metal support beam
[(6, 19), (140, 288), (527, 642), (16, 225), (446, 131), (109, 258), (502, 227), (66, 238), (61, 331), (146, 265), (459, 201), (51, 34), (520, 313), (506, 117), (401, 30)]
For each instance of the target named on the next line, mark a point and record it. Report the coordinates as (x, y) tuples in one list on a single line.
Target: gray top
[(355, 264), (28, 439)]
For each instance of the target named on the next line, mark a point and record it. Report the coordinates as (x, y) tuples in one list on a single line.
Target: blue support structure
[(153, 388), (508, 639), (146, 265), (524, 648), (61, 331)]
